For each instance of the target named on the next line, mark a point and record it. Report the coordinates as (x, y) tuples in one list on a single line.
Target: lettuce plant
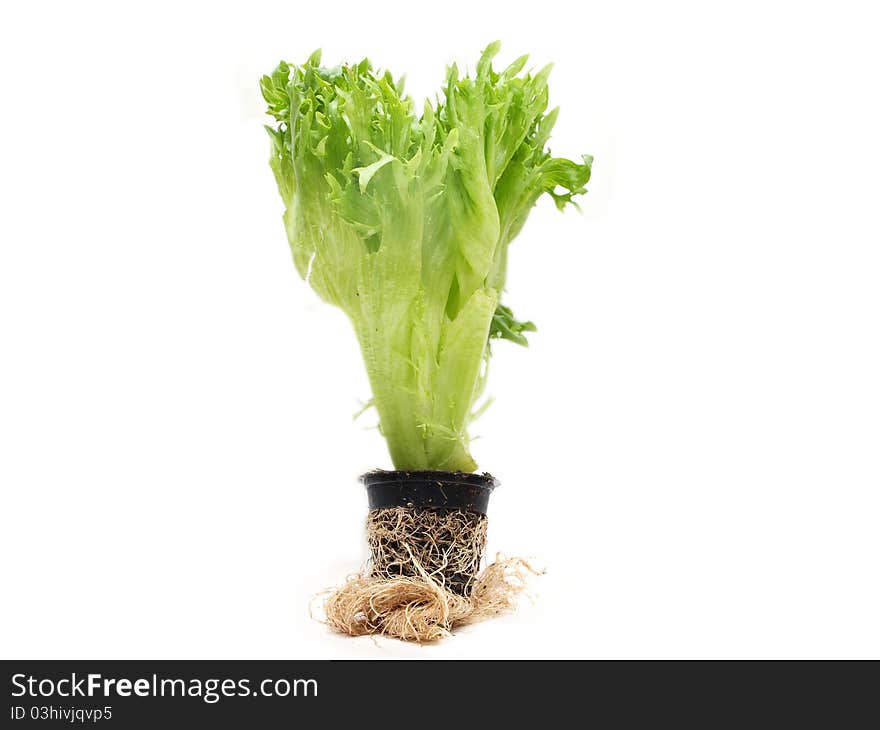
[(403, 220)]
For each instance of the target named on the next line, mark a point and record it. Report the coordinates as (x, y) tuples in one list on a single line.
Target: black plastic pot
[(429, 489)]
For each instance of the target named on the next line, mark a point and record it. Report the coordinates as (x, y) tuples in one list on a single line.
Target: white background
[(690, 445)]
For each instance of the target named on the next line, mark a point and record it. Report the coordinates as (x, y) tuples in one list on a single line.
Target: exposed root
[(421, 582), (446, 544)]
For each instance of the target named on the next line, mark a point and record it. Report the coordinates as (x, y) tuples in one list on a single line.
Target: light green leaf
[(404, 221)]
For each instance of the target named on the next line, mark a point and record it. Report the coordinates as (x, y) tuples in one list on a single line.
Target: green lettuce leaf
[(403, 220)]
